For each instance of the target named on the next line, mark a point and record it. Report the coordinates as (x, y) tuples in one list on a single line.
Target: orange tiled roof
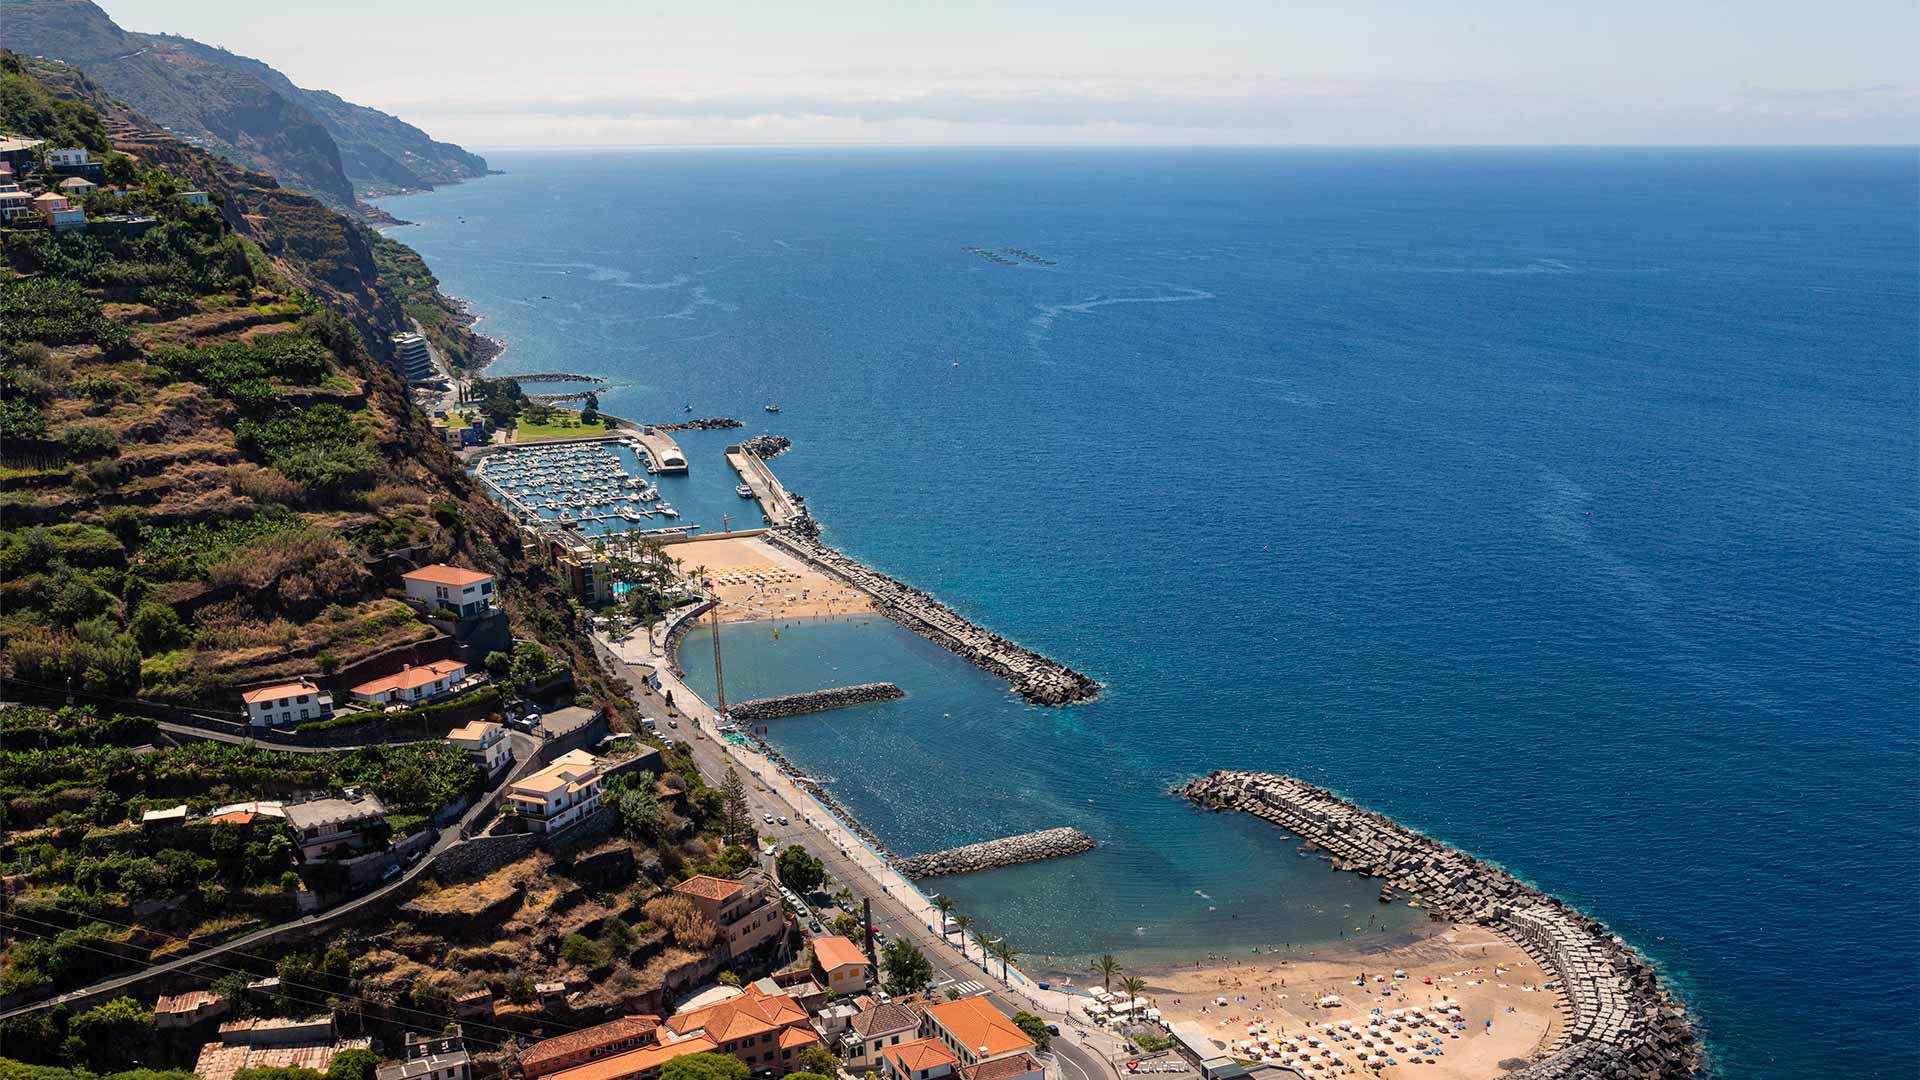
[(975, 1024), (233, 817), (573, 1042), (909, 1057), (442, 574), (635, 1062), (833, 951), (708, 888), (408, 678), (280, 690), (752, 1013), (1005, 1068)]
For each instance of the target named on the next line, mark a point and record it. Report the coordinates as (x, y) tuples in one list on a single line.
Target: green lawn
[(561, 428)]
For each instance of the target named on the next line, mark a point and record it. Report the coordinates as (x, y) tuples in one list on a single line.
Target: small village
[(53, 188)]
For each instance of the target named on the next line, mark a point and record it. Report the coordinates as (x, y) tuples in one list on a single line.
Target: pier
[(837, 697), (662, 453), (777, 505), (1034, 677), (1620, 1020), (991, 854)]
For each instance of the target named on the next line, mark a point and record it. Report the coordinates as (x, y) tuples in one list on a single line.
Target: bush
[(583, 952), (319, 447), (55, 312), (84, 441)]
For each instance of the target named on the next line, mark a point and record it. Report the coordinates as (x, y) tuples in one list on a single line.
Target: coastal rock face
[(837, 697), (1036, 678), (1622, 1023), (1007, 851)]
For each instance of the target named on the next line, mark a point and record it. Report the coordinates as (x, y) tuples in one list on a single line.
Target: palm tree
[(1006, 954), (1131, 987), (965, 923), (1107, 967), (943, 904)]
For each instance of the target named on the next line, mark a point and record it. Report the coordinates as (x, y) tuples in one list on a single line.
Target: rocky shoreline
[(836, 697), (992, 854), (1621, 1021), (1036, 678), (706, 423)]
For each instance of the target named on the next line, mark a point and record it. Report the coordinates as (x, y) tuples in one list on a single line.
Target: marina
[(595, 487)]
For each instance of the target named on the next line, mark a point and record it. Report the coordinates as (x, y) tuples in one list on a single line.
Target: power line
[(264, 960)]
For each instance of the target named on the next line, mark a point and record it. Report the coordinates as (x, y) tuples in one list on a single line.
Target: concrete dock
[(662, 453), (778, 506)]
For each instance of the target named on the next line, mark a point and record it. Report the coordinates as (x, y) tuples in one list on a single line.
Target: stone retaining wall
[(1621, 1022), (1036, 678), (838, 697), (1006, 851)]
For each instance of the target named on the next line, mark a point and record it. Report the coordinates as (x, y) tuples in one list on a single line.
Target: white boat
[(743, 491), (773, 408)]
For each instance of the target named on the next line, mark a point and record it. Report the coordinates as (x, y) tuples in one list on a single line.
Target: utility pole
[(719, 682)]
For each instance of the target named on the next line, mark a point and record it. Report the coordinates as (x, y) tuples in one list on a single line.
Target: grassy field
[(561, 428)]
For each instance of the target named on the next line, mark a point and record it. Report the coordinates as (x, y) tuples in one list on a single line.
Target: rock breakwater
[(1621, 1021), (1006, 851), (1036, 678), (705, 423), (837, 697), (766, 447)]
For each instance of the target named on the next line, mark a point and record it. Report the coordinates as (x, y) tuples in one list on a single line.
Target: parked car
[(769, 818), (391, 872), (1053, 1030)]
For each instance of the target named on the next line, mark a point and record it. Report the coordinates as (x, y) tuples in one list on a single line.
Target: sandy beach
[(1503, 1012), (754, 580)]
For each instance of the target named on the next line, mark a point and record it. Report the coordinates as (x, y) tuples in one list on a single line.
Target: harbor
[(592, 486)]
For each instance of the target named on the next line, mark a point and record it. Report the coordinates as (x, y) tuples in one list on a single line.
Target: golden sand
[(1488, 976), (755, 581)]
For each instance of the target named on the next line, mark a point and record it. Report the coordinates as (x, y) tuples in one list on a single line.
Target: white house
[(67, 157), (74, 186), (287, 703), (194, 198), (485, 742), (323, 827), (412, 683), (468, 592), (558, 795), (14, 203)]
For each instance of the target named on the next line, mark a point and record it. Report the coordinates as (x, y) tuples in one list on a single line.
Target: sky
[(495, 75)]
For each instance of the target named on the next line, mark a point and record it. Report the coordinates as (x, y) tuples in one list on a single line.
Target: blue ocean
[(1564, 504)]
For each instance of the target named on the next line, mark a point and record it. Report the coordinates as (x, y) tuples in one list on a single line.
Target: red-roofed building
[(188, 1009), (840, 965), (767, 1031), (469, 593), (588, 1044), (413, 683), (921, 1059), (287, 703), (975, 1030), (1021, 1066), (640, 1064), (744, 909)]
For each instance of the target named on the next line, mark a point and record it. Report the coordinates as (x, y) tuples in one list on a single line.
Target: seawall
[(1036, 678), (1622, 1022), (837, 697), (1006, 851)]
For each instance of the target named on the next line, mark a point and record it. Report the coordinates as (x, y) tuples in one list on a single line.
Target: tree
[(582, 951), (705, 1067), (632, 797), (111, 1034), (734, 811), (802, 872), (157, 627), (1107, 967), (590, 409), (964, 923), (1035, 1028), (120, 169), (530, 664), (1006, 954), (819, 1059), (846, 926), (904, 968), (944, 905), (1131, 987), (359, 1064)]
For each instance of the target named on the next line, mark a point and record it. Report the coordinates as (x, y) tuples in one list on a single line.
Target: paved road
[(523, 747), (899, 909)]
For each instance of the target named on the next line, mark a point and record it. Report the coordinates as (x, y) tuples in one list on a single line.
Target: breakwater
[(705, 423), (1006, 851), (837, 697), (1036, 678), (767, 447), (1621, 1021)]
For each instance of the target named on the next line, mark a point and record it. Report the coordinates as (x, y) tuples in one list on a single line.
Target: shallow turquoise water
[(1565, 504)]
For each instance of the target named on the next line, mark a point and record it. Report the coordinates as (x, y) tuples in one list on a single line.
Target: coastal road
[(899, 909)]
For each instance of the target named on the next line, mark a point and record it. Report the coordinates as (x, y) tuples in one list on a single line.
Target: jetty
[(1034, 677), (837, 697), (991, 854), (777, 504), (662, 454), (1620, 1020)]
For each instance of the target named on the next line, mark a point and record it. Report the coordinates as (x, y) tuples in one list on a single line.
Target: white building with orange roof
[(976, 1031), (412, 683), (485, 743), (744, 909), (641, 1064), (558, 795), (767, 1031), (287, 703), (468, 593), (840, 965), (921, 1059)]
